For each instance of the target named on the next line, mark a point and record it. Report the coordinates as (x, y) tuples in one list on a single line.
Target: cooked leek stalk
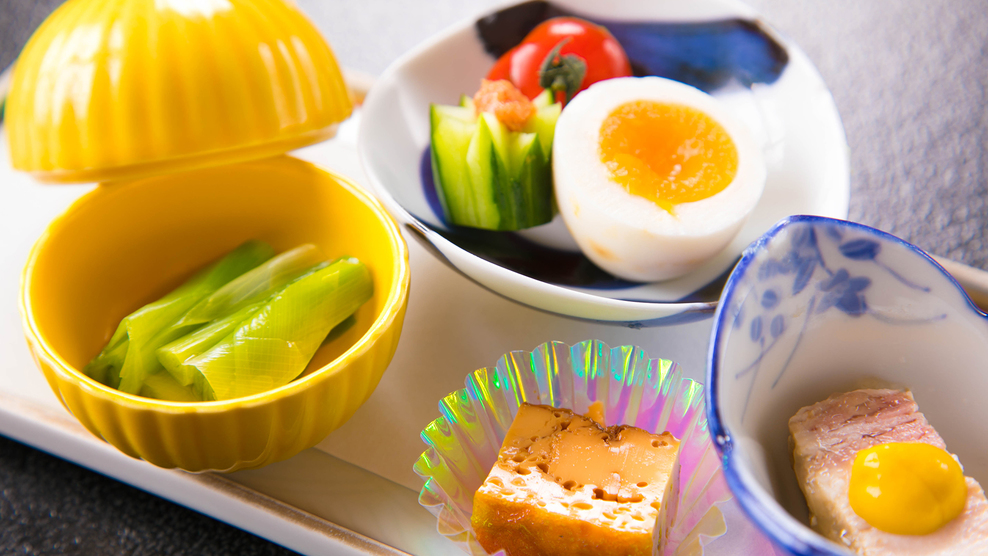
[(162, 386), (275, 345), (143, 328), (174, 355), (105, 367), (251, 287), (255, 285)]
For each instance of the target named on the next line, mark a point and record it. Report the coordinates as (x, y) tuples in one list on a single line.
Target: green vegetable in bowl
[(250, 287), (175, 355), (255, 285), (491, 161), (174, 348), (273, 346), (163, 386), (144, 330)]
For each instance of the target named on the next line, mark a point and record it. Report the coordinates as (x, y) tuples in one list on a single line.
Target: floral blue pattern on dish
[(826, 280)]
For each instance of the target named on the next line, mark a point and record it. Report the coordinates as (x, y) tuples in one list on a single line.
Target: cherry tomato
[(599, 50)]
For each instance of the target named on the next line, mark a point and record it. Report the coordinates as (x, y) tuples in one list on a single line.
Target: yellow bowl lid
[(107, 90)]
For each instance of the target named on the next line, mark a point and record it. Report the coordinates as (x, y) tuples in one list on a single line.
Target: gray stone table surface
[(910, 80)]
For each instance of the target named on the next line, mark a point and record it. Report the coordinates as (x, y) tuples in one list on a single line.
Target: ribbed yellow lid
[(116, 89)]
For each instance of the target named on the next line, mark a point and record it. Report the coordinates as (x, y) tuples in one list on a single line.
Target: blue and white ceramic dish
[(719, 46), (818, 306)]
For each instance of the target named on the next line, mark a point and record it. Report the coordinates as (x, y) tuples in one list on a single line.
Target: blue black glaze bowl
[(818, 306), (718, 46)]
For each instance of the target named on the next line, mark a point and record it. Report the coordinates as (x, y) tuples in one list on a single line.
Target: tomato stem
[(562, 73)]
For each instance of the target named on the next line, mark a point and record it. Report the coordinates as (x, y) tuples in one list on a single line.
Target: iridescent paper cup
[(698, 515)]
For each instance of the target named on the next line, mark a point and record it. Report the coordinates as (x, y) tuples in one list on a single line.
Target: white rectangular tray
[(355, 492)]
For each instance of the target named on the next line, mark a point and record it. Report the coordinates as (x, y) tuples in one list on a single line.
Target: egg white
[(630, 236)]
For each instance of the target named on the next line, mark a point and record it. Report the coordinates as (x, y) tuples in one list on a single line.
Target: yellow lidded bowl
[(184, 107), (124, 245)]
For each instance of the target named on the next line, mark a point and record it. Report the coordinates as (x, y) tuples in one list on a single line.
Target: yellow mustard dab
[(907, 488)]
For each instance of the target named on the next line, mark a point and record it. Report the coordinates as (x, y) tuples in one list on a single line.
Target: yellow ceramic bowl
[(126, 244)]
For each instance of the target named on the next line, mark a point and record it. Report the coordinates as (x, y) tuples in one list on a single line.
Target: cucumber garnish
[(488, 176)]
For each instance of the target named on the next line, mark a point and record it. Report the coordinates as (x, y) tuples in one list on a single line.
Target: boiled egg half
[(653, 177)]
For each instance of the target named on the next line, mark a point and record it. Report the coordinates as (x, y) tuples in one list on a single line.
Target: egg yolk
[(907, 488), (667, 153)]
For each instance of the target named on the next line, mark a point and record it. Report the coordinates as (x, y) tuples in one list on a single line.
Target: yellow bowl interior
[(126, 244)]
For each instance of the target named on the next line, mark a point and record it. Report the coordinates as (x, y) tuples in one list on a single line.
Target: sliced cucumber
[(488, 176), (544, 125), (544, 99), (482, 163), (534, 189), (452, 130)]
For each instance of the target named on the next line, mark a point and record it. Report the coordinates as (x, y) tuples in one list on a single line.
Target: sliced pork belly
[(826, 436)]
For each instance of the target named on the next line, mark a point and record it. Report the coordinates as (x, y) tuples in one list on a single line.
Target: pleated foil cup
[(698, 515)]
